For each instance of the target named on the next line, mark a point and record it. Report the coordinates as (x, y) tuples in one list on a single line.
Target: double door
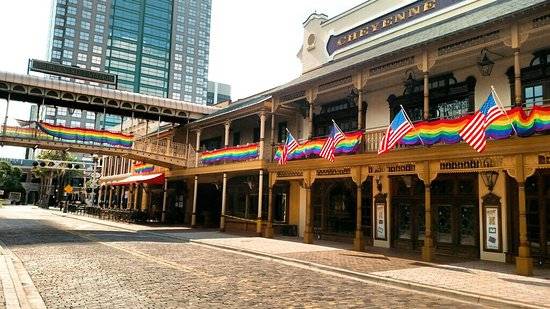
[(456, 215), (408, 212)]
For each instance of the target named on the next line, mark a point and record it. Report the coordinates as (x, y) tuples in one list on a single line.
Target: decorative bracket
[(311, 95), (359, 174)]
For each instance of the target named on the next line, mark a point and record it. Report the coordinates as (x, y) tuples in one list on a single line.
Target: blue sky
[(253, 44)]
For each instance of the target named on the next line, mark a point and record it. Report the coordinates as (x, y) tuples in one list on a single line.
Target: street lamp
[(485, 65)]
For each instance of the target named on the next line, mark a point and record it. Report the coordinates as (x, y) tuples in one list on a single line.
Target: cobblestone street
[(80, 264)]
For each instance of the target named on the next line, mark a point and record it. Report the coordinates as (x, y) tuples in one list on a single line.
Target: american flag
[(399, 126), (335, 136), (288, 147), (473, 132)]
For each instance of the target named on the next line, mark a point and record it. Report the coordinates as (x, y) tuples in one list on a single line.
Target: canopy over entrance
[(151, 179)]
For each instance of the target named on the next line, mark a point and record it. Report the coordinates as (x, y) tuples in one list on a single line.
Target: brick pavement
[(490, 279), (81, 264)]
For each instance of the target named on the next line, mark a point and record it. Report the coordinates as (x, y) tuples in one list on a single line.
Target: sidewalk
[(487, 282)]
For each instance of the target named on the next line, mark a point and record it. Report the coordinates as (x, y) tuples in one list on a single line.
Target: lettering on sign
[(407, 167), (334, 171), (398, 17), (470, 164), (375, 169)]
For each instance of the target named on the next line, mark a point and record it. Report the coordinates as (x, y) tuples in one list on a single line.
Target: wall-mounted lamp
[(378, 183), (410, 82), (489, 179)]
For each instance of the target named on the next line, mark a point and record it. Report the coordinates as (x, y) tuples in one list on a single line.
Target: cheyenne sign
[(403, 15)]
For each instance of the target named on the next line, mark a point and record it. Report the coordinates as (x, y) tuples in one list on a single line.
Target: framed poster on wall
[(492, 239), (380, 221)]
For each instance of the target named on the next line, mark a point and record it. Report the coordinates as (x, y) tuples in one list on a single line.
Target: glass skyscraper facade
[(156, 47)]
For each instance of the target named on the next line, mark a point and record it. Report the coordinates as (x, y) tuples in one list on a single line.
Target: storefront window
[(444, 234), (404, 221), (467, 221)]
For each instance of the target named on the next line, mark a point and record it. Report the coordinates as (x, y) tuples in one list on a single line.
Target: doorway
[(537, 194), (408, 213), (456, 214)]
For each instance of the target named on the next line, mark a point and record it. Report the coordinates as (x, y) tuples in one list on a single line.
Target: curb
[(26, 293), (453, 294)]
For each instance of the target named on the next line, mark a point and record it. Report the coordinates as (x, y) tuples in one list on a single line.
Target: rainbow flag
[(25, 133), (445, 131), (235, 154), (87, 135), (143, 168), (350, 144)]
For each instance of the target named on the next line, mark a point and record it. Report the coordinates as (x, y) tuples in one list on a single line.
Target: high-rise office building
[(156, 47), (217, 92)]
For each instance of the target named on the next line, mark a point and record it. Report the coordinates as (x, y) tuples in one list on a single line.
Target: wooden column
[(121, 197), (110, 196), (426, 95), (359, 240), (197, 148), (308, 233), (260, 202), (262, 136), (224, 199), (227, 127), (129, 205), (360, 109), (516, 44), (272, 136), (99, 193), (194, 211), (144, 198), (269, 228), (524, 261), (135, 201), (517, 79), (164, 199), (310, 121), (428, 249)]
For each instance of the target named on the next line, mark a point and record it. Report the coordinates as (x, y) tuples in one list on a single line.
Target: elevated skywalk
[(163, 154)]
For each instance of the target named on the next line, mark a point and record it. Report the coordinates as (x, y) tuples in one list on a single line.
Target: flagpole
[(499, 102), (409, 120)]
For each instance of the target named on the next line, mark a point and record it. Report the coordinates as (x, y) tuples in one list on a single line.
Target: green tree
[(10, 178), (47, 175)]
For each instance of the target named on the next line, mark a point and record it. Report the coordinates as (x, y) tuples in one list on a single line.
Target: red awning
[(151, 179)]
